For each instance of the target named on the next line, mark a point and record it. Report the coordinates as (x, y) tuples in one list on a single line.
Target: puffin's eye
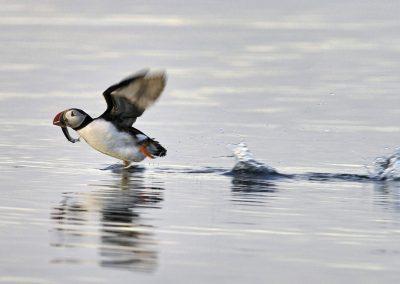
[(72, 114)]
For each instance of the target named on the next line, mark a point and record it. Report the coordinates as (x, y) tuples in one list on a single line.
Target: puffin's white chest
[(105, 137)]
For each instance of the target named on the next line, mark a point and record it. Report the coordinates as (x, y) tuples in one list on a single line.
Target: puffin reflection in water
[(112, 133)]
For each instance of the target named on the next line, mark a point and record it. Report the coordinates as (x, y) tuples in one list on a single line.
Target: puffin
[(112, 132)]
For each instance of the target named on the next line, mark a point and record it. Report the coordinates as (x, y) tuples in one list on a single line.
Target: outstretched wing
[(128, 99)]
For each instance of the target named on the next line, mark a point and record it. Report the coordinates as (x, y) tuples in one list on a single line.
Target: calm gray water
[(310, 86)]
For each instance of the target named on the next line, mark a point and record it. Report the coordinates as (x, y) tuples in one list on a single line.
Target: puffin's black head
[(74, 118)]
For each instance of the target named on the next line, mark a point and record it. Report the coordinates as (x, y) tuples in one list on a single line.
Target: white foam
[(246, 164), (387, 168)]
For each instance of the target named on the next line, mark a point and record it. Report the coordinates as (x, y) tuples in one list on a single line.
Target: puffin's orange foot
[(145, 152)]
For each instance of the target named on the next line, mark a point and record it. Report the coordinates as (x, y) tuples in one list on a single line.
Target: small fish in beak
[(59, 121)]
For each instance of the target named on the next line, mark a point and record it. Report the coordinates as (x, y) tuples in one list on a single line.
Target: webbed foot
[(127, 164)]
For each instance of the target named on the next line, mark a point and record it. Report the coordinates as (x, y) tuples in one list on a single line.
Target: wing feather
[(128, 99)]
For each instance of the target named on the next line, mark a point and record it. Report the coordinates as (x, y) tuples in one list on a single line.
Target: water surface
[(311, 87)]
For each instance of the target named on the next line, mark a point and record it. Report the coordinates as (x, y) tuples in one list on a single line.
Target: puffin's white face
[(74, 118)]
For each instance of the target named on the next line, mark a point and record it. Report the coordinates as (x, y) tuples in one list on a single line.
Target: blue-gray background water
[(310, 87)]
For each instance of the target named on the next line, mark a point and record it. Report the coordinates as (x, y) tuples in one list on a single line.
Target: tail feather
[(155, 148)]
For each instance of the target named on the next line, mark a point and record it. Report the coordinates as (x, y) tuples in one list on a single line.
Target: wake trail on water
[(247, 168)]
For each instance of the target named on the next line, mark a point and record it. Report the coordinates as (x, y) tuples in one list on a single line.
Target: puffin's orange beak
[(58, 119)]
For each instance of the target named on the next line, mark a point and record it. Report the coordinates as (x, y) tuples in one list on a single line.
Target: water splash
[(120, 168), (246, 165), (247, 168), (387, 168)]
